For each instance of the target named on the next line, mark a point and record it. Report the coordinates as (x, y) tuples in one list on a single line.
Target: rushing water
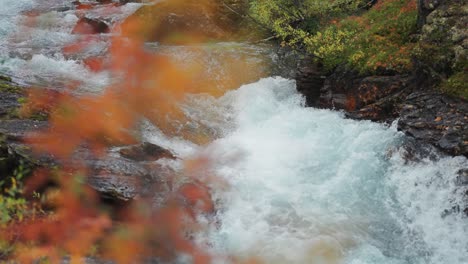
[(304, 185), (308, 186)]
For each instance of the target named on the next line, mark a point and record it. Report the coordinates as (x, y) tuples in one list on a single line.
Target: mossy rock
[(443, 39), (8, 86), (456, 85), (5, 78)]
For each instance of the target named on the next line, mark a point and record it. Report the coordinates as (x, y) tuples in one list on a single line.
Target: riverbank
[(418, 99)]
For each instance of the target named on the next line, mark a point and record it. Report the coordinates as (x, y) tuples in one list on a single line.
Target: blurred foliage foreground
[(50, 214)]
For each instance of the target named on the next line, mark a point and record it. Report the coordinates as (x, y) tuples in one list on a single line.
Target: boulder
[(18, 129), (437, 119), (310, 80), (351, 92), (8, 103), (145, 152)]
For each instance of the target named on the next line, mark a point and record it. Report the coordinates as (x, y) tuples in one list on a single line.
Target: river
[(305, 185)]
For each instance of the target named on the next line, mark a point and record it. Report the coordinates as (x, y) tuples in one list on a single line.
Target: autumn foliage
[(74, 222)]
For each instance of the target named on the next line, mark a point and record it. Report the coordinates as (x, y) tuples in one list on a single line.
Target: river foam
[(308, 186), (36, 34)]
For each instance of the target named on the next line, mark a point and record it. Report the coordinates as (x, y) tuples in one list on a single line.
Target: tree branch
[(263, 26)]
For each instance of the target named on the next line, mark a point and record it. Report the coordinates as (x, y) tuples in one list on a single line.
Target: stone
[(8, 103), (462, 177), (309, 80), (18, 129), (437, 119), (121, 179), (145, 152)]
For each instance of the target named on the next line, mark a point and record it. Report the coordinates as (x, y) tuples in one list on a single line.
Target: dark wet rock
[(438, 119), (18, 129), (116, 178), (5, 78), (363, 97), (412, 151), (462, 178), (121, 179), (7, 86), (425, 7), (12, 131), (90, 26), (24, 152), (129, 1), (13, 154), (287, 62), (8, 103), (310, 80), (145, 152), (91, 260), (462, 182), (104, 1), (352, 92), (8, 161), (115, 184), (460, 205), (427, 115)]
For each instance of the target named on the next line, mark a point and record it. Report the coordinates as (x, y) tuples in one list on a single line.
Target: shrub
[(12, 205), (456, 85), (340, 32)]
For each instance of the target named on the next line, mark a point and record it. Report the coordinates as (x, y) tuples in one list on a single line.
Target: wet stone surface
[(435, 118)]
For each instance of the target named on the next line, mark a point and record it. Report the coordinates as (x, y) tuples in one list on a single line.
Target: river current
[(304, 185)]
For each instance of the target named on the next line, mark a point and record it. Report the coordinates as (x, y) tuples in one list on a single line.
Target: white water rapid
[(304, 185), (308, 186)]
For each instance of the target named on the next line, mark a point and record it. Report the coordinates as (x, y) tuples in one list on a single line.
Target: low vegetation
[(365, 36), (370, 37)]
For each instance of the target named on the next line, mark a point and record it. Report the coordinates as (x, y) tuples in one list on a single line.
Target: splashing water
[(308, 186), (31, 45)]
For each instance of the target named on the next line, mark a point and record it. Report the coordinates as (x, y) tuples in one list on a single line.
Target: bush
[(456, 85), (340, 32), (12, 204)]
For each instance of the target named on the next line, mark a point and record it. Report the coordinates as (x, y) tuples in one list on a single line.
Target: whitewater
[(309, 186), (304, 185)]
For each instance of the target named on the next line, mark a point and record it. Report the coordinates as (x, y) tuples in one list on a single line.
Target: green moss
[(12, 114), (16, 113), (5, 78), (342, 33), (456, 85), (39, 116), (382, 39), (6, 86)]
